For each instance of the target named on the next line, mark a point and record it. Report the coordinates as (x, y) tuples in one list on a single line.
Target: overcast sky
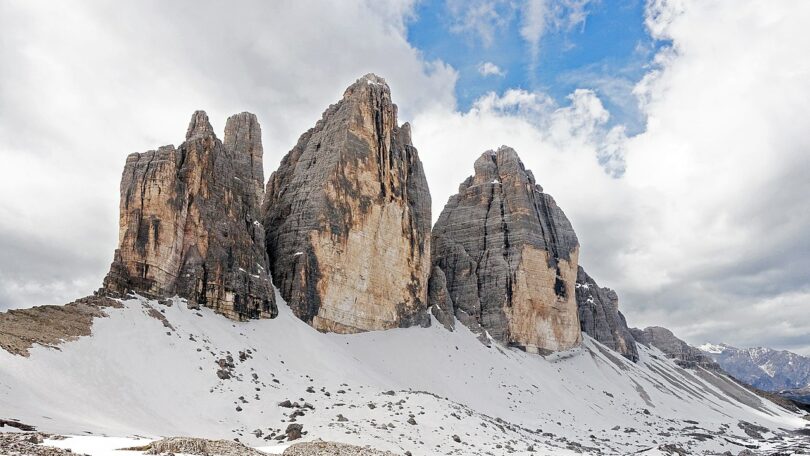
[(673, 133)]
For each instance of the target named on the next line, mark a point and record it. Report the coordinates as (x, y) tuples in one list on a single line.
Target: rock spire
[(189, 222), (509, 257), (347, 218)]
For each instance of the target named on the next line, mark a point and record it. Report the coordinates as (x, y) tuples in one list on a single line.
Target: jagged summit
[(509, 257), (243, 136), (347, 218), (189, 222), (371, 78), (199, 126)]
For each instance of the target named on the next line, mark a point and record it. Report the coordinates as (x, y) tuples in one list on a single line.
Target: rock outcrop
[(189, 222), (49, 326), (441, 306), (599, 316), (684, 354), (347, 218), (509, 257)]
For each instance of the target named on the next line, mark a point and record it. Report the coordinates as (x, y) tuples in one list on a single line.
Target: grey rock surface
[(684, 354), (599, 316), (441, 306), (347, 218), (509, 257), (189, 222)]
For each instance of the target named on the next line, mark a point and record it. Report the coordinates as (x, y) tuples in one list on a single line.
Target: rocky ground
[(320, 448), (29, 444), (50, 325), (196, 446)]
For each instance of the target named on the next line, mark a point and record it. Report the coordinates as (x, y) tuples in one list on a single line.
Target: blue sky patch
[(608, 52)]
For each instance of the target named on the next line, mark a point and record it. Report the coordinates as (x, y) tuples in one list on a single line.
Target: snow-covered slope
[(139, 376)]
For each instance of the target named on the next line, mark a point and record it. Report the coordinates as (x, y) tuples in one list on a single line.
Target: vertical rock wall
[(509, 257), (347, 218), (189, 223), (599, 316)]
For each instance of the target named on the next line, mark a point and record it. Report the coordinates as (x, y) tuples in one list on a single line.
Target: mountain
[(801, 395), (508, 257), (347, 218), (763, 368), (370, 330), (189, 223), (684, 354)]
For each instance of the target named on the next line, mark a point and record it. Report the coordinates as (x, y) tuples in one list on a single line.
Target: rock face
[(441, 306), (189, 222), (509, 257), (347, 218), (684, 354), (599, 316)]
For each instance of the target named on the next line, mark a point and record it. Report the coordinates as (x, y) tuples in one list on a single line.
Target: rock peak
[(508, 256), (243, 139), (199, 126), (499, 165), (372, 78), (369, 84), (189, 222), (352, 187)]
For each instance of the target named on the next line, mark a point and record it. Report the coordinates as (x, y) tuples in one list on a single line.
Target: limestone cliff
[(684, 354), (189, 222), (347, 218), (599, 316), (509, 257)]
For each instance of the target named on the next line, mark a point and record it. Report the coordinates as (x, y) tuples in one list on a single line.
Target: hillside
[(198, 373)]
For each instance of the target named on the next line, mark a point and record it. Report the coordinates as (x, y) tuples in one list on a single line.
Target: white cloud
[(540, 16), (480, 19), (535, 20), (490, 69)]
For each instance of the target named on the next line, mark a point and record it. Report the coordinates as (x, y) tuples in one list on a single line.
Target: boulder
[(599, 316), (509, 257), (189, 222), (347, 218)]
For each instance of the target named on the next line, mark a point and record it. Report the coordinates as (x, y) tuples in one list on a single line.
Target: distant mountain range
[(771, 370)]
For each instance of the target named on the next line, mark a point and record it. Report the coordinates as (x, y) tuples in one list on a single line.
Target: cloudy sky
[(674, 133)]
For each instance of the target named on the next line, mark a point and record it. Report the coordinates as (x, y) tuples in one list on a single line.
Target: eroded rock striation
[(682, 353), (599, 316), (509, 257), (189, 222), (347, 218)]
